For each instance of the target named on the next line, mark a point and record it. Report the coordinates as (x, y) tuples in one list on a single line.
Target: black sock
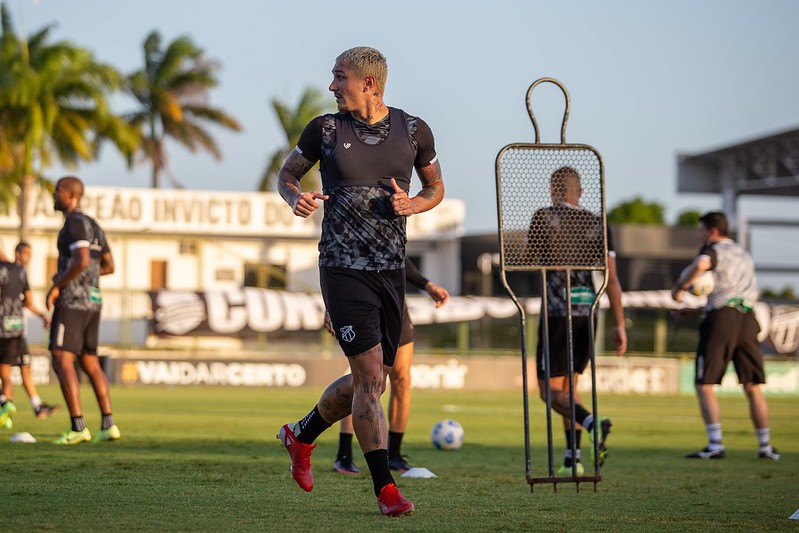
[(78, 424), (311, 427), (581, 413), (377, 460), (344, 446), (577, 433), (108, 421), (394, 444)]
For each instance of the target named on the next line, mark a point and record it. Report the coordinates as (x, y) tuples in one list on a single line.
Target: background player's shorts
[(365, 308), (75, 331), (559, 348), (11, 351), (407, 333), (24, 353), (725, 335)]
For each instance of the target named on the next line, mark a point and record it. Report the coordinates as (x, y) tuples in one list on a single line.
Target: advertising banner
[(250, 311)]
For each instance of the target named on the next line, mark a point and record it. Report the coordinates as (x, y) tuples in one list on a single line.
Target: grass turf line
[(205, 459)]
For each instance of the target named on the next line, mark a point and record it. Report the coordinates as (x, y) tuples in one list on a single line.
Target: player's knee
[(400, 382)]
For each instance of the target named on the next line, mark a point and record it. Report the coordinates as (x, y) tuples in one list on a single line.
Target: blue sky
[(647, 80)]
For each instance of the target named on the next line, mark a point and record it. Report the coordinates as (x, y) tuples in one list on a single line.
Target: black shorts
[(725, 335), (11, 352), (407, 333), (365, 308), (75, 331), (559, 348)]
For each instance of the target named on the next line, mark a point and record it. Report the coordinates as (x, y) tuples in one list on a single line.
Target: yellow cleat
[(6, 412), (111, 433), (74, 437)]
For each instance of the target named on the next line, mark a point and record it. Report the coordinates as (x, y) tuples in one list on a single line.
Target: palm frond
[(172, 92), (213, 115)]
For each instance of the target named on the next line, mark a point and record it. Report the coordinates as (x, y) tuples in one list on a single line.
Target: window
[(265, 276), (225, 274), (188, 247)]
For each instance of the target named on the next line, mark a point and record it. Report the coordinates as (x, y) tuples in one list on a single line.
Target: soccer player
[(15, 294), (22, 256), (367, 152), (399, 403), (83, 256), (557, 233), (727, 333)]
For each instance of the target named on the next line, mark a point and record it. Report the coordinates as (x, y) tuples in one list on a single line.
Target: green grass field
[(205, 459)]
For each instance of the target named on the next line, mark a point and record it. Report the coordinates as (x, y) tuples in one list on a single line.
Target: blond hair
[(366, 61)]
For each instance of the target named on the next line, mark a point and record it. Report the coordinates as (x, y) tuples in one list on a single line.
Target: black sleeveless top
[(359, 228)]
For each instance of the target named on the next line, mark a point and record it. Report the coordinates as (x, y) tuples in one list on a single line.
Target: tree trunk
[(26, 186)]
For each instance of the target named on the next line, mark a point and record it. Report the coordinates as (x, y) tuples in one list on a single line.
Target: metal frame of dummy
[(567, 269)]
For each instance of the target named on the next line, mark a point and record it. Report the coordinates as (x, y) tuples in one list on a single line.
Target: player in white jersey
[(727, 333)]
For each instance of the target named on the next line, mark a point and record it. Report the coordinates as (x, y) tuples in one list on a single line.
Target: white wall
[(229, 230)]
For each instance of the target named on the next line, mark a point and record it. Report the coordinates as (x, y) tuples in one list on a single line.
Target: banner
[(251, 311)]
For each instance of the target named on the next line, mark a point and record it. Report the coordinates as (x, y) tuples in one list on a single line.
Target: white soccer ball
[(447, 435), (703, 285)]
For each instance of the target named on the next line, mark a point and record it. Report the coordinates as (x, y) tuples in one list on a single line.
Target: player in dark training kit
[(367, 154), (15, 294), (557, 235), (727, 333), (83, 256)]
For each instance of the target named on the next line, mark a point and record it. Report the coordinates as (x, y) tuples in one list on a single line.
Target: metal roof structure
[(764, 166)]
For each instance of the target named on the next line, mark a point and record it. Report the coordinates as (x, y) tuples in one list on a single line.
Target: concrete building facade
[(202, 240)]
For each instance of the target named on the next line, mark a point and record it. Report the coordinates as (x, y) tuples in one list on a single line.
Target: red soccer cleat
[(392, 502), (300, 454)]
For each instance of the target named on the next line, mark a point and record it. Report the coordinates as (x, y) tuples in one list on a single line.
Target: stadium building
[(205, 241), (221, 288)]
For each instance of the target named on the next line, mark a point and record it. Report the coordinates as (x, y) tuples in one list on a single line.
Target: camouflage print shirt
[(568, 235), (357, 161), (13, 284), (81, 231)]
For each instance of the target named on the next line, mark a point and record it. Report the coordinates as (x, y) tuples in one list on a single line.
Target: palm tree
[(53, 106), (293, 121), (172, 89)]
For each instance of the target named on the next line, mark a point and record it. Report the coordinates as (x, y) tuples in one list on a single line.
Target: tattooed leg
[(368, 383), (336, 401)]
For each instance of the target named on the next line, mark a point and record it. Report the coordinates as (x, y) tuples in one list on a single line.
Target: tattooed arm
[(432, 189), (288, 185)]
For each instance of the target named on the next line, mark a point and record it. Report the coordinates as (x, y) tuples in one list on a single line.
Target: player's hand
[(305, 204), (52, 296), (437, 293), (400, 202), (328, 324), (46, 320), (620, 340), (676, 294)]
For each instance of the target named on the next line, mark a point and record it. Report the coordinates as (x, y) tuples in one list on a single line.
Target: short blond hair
[(366, 61)]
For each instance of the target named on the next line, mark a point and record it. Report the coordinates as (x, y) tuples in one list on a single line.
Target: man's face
[(346, 87), (60, 196), (705, 234), (566, 189), (24, 256)]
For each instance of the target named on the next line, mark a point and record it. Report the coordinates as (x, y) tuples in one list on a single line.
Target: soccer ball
[(447, 435), (703, 285)]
